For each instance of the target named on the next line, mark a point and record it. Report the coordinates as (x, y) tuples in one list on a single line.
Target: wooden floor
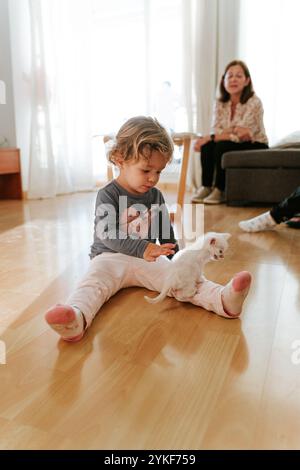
[(172, 376)]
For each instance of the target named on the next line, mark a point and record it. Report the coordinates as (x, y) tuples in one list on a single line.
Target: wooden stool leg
[(183, 172)]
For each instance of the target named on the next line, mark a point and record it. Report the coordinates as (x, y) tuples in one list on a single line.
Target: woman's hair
[(138, 137), (247, 91)]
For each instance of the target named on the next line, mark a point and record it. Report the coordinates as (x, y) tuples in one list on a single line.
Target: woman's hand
[(244, 134), (200, 142), (153, 251)]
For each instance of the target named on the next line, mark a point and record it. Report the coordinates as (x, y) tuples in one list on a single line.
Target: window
[(137, 56)]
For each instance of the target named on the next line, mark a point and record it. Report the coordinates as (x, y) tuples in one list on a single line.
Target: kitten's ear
[(212, 241), (227, 235)]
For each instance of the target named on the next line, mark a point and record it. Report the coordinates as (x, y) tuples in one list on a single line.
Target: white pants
[(110, 272)]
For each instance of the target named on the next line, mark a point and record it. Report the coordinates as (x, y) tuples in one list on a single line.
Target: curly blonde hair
[(139, 137)]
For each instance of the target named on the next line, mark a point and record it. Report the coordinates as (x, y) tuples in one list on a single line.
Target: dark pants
[(286, 209), (211, 157)]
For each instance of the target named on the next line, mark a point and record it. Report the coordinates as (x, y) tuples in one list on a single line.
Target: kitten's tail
[(161, 296)]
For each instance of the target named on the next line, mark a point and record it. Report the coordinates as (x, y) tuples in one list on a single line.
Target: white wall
[(7, 114)]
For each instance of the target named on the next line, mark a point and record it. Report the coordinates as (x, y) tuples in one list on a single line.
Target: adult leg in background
[(281, 212), (286, 209), (208, 164)]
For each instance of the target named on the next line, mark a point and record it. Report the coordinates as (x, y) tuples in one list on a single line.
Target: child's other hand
[(153, 251)]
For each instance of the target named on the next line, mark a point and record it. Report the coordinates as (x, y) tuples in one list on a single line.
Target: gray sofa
[(261, 176)]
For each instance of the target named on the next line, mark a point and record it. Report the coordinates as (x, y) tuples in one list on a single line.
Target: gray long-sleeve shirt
[(118, 230)]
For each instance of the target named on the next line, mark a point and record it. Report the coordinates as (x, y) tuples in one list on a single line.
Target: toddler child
[(130, 217)]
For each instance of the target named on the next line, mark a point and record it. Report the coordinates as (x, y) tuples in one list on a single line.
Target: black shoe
[(294, 222)]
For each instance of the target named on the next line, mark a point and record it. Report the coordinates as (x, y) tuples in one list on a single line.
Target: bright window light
[(269, 43), (137, 59)]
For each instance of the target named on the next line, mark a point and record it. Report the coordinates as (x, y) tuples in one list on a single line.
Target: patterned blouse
[(249, 114)]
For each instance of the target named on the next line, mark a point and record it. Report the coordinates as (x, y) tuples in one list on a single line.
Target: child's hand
[(153, 251)]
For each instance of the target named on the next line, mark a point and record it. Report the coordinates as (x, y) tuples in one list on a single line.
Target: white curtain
[(211, 41), (61, 133), (269, 42), (95, 63)]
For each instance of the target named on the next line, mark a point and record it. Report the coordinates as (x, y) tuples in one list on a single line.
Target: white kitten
[(186, 268)]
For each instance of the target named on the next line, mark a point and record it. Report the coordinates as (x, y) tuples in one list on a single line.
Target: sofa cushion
[(266, 158)]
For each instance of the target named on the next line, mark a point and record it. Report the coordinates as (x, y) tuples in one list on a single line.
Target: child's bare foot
[(235, 292), (67, 321)]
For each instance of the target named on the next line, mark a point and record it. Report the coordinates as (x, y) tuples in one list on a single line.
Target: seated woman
[(237, 125)]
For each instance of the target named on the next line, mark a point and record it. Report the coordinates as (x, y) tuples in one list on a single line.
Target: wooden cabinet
[(10, 174)]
